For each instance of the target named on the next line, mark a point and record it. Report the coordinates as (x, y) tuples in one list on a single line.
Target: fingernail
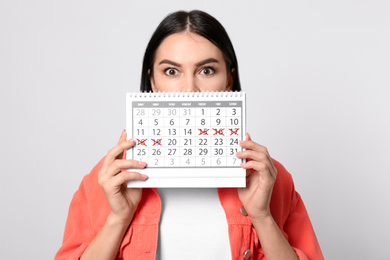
[(141, 163), (145, 177), (130, 141)]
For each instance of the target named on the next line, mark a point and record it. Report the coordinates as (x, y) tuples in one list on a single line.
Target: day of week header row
[(187, 104)]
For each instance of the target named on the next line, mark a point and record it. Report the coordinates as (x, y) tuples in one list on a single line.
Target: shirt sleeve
[(300, 232), (78, 230)]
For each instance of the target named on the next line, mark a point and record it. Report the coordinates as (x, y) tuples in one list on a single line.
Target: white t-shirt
[(193, 225)]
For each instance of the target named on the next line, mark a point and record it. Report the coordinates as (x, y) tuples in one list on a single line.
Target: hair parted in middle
[(197, 22)]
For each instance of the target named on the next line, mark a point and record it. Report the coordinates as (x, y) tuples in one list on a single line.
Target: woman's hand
[(256, 197), (260, 178), (123, 201), (113, 177)]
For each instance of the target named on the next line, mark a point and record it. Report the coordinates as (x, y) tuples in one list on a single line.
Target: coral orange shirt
[(89, 209)]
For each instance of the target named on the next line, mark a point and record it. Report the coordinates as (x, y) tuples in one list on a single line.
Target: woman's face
[(186, 61)]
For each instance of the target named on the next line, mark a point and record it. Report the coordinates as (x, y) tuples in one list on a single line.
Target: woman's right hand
[(113, 178)]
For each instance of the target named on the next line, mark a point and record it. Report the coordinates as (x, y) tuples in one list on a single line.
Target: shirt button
[(247, 254), (243, 211)]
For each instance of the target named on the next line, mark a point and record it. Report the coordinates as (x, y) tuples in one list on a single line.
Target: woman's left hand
[(260, 178)]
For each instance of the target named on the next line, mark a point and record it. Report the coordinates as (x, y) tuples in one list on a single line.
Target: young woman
[(267, 219)]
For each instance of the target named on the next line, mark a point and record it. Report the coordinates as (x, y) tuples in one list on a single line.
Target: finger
[(117, 151), (258, 166), (251, 145), (111, 153), (126, 176), (261, 166), (121, 140), (253, 155), (123, 136), (119, 165), (250, 155)]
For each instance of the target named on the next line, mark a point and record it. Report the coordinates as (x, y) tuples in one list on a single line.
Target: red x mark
[(220, 131), (203, 132), (142, 141), (233, 132), (157, 142)]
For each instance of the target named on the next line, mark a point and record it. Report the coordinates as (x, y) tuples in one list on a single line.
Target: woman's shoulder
[(89, 186), (283, 177), (93, 175), (90, 196), (284, 196)]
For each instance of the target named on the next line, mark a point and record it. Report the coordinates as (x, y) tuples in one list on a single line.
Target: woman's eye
[(171, 72), (207, 71)]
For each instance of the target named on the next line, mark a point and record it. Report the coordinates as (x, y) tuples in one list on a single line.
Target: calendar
[(187, 139)]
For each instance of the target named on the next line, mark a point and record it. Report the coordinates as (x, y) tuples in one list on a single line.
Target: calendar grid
[(187, 134)]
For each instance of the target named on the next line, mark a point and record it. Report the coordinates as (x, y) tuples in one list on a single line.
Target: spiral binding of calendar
[(218, 94)]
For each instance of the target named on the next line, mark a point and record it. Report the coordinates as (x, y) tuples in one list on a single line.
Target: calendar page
[(187, 139)]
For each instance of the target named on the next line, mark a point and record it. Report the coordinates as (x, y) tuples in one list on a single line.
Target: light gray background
[(317, 74)]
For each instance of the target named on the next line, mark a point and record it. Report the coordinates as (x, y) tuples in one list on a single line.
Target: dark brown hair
[(197, 22)]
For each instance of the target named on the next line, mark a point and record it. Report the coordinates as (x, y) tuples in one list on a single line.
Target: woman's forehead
[(187, 47)]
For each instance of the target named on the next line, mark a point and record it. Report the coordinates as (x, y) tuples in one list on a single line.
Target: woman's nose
[(190, 85)]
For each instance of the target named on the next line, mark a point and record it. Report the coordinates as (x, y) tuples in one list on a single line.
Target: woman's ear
[(151, 79), (231, 78)]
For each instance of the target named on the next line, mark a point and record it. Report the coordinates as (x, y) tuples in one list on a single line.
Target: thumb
[(123, 136), (248, 138)]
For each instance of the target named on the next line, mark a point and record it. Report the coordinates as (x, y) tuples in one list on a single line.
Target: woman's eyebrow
[(203, 62), (170, 63), (206, 61)]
